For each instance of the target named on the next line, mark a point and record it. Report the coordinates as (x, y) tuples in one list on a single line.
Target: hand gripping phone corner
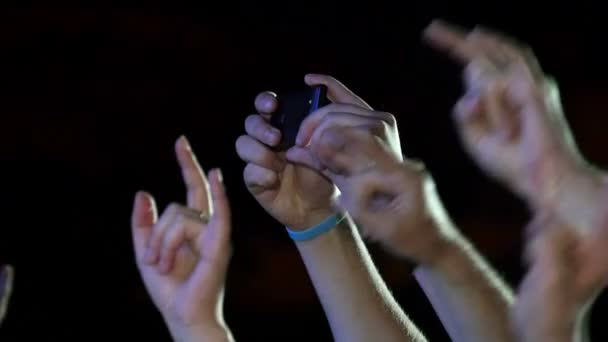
[(293, 108)]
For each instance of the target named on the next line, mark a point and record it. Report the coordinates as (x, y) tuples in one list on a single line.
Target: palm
[(165, 289)]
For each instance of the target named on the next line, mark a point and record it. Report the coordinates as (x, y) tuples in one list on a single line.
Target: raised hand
[(183, 256), (283, 183), (511, 121), (393, 202)]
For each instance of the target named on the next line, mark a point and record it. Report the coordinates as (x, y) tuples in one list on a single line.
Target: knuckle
[(180, 221), (331, 137)]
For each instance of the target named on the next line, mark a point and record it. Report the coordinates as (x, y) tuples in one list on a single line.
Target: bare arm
[(554, 299), (357, 302), (396, 204), (471, 300), (511, 122)]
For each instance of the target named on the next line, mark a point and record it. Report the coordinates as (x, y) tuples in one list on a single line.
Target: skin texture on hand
[(183, 256), (282, 182), (395, 203), (511, 122), (6, 288), (560, 285), (386, 197), (287, 185)]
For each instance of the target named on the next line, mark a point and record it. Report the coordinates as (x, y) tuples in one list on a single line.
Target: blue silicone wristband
[(314, 231)]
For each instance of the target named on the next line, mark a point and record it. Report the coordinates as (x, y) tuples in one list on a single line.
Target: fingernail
[(185, 142), (220, 176)]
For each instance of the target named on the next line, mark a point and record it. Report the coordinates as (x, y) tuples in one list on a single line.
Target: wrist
[(207, 331), (576, 196), (311, 218), (559, 180)]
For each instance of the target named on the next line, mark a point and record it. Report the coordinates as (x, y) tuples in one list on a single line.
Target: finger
[(197, 187), (152, 255), (347, 120), (336, 91), (478, 73), (497, 43), (186, 226), (221, 219), (260, 129), (504, 121), (470, 117), (210, 274), (259, 179), (143, 219), (348, 151), (312, 121), (452, 39), (252, 151), (6, 288), (303, 156), (367, 192), (266, 103)]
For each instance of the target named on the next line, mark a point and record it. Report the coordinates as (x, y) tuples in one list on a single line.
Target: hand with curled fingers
[(183, 256), (511, 122), (393, 202), (565, 275), (284, 184)]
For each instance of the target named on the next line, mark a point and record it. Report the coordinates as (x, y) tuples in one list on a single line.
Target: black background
[(93, 98)]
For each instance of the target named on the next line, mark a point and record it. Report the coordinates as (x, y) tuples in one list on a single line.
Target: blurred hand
[(510, 119), (283, 183), (183, 256), (567, 271), (6, 289), (393, 202)]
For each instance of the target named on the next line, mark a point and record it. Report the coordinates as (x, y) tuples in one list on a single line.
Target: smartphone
[(293, 108)]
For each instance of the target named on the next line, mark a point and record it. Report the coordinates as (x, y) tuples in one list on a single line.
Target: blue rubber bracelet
[(314, 231)]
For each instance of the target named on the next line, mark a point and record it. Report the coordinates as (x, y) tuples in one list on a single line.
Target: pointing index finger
[(196, 183), (452, 39)]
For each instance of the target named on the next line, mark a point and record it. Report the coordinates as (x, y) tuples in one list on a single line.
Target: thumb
[(209, 277), (143, 218)]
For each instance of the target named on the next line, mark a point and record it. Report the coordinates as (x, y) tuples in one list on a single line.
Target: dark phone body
[(293, 108)]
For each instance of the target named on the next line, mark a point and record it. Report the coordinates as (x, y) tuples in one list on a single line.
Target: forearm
[(470, 299), (357, 302)]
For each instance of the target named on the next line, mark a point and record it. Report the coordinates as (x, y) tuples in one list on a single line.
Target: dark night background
[(92, 100)]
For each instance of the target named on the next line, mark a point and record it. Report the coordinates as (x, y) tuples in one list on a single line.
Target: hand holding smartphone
[(293, 108)]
